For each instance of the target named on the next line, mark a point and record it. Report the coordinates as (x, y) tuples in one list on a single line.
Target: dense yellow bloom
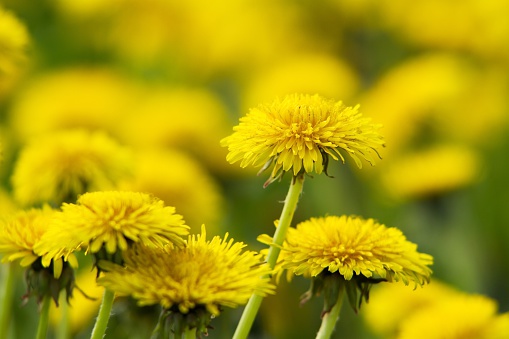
[(464, 316), (179, 181), (112, 220), (413, 177), (21, 233), (58, 167), (299, 133), (352, 246), (203, 273)]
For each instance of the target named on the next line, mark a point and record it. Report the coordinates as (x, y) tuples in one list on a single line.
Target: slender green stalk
[(7, 297), (249, 314), (329, 319), (104, 315), (63, 330), (42, 329), (189, 333)]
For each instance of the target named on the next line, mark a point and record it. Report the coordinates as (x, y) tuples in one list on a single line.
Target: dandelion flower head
[(57, 167), (353, 246), (21, 233), (299, 133), (206, 274), (113, 220)]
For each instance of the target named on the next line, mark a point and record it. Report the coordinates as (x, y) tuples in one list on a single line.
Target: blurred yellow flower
[(112, 220), (352, 246), (436, 170), (57, 167), (7, 205), (319, 73), (421, 86), (463, 316), (299, 132), (188, 119), (205, 41), (81, 97), (13, 42), (476, 26), (208, 273), (390, 304), (179, 181)]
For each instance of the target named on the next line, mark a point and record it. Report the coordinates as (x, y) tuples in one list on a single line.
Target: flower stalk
[(252, 307), (104, 315), (42, 328), (329, 319), (7, 295)]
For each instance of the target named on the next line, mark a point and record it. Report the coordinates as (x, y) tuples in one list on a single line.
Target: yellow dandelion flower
[(463, 316), (112, 220), (202, 275), (58, 167), (20, 233), (354, 246), (299, 133), (19, 237)]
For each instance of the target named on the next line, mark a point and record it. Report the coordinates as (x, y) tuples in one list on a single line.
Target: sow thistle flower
[(353, 253), (191, 283), (19, 235), (299, 133), (106, 223)]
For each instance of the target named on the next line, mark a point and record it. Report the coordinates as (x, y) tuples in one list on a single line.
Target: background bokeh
[(168, 79)]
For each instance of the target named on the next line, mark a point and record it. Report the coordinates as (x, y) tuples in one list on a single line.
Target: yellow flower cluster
[(202, 273)]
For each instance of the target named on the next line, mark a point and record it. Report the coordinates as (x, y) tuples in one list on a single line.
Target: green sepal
[(41, 282), (351, 292), (332, 283), (172, 323)]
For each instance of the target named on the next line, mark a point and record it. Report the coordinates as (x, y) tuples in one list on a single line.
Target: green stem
[(63, 330), (189, 333), (104, 315), (249, 314), (329, 319), (42, 329), (7, 297)]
